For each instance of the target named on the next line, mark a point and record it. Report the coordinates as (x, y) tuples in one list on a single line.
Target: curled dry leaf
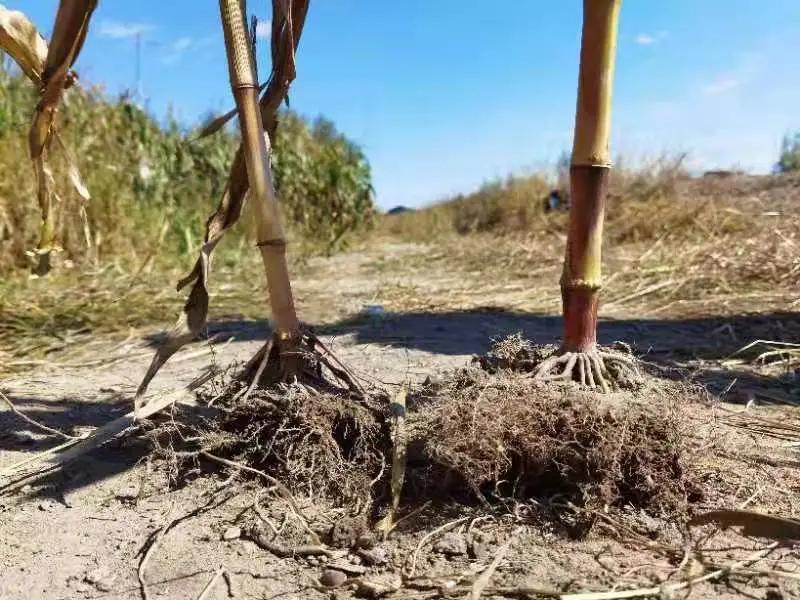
[(23, 42), (49, 69), (69, 33)]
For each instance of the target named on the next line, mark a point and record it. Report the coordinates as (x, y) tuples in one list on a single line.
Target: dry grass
[(44, 319), (698, 246)]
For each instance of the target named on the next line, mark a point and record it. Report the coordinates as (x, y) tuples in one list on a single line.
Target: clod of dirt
[(374, 557), (514, 353), (332, 578), (451, 544), (101, 578), (231, 533), (128, 493), (377, 586), (347, 532)]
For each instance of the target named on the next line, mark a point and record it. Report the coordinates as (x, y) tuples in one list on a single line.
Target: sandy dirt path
[(77, 533)]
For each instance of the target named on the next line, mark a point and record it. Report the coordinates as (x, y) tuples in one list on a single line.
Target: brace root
[(595, 368)]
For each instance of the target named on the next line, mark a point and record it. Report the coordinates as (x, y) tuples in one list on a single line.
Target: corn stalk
[(590, 166), (49, 68), (581, 278), (288, 17), (271, 239)]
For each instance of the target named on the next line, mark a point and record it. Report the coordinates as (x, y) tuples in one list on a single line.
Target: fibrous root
[(594, 368), (300, 358)]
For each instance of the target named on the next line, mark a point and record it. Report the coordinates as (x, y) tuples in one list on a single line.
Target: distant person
[(554, 202)]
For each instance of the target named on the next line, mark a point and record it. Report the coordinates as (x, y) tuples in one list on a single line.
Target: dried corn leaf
[(752, 523), (51, 68), (69, 33), (214, 124), (23, 42), (287, 25)]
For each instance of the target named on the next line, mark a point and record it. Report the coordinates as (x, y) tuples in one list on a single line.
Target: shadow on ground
[(693, 347)]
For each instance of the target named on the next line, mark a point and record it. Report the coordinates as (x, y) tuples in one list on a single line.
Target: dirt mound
[(329, 444), (502, 434), (486, 433)]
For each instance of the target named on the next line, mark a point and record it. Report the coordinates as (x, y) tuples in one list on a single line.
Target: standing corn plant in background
[(323, 180), (581, 279), (49, 69)]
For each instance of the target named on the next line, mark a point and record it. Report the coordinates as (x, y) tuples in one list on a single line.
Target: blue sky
[(445, 94)]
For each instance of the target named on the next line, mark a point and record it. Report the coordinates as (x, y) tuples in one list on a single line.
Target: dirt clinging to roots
[(485, 433), (504, 434), (325, 444)]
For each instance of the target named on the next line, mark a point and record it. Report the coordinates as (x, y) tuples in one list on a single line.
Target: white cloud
[(176, 50), (264, 29), (647, 39), (721, 85), (120, 30)]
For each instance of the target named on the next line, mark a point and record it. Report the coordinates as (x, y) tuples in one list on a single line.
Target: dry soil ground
[(78, 533)]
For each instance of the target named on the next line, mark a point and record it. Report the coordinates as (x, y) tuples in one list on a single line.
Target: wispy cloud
[(120, 30), (648, 39), (721, 85), (175, 51), (264, 29)]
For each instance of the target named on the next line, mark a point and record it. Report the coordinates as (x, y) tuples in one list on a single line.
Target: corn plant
[(323, 180), (292, 351), (49, 69), (581, 278)]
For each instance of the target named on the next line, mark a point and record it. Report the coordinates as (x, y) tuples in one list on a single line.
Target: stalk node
[(581, 284), (276, 243)]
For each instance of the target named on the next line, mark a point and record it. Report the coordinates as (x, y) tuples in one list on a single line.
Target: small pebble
[(374, 556), (332, 578), (101, 578), (365, 540), (451, 544), (380, 585), (129, 493), (47, 505), (231, 533)]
